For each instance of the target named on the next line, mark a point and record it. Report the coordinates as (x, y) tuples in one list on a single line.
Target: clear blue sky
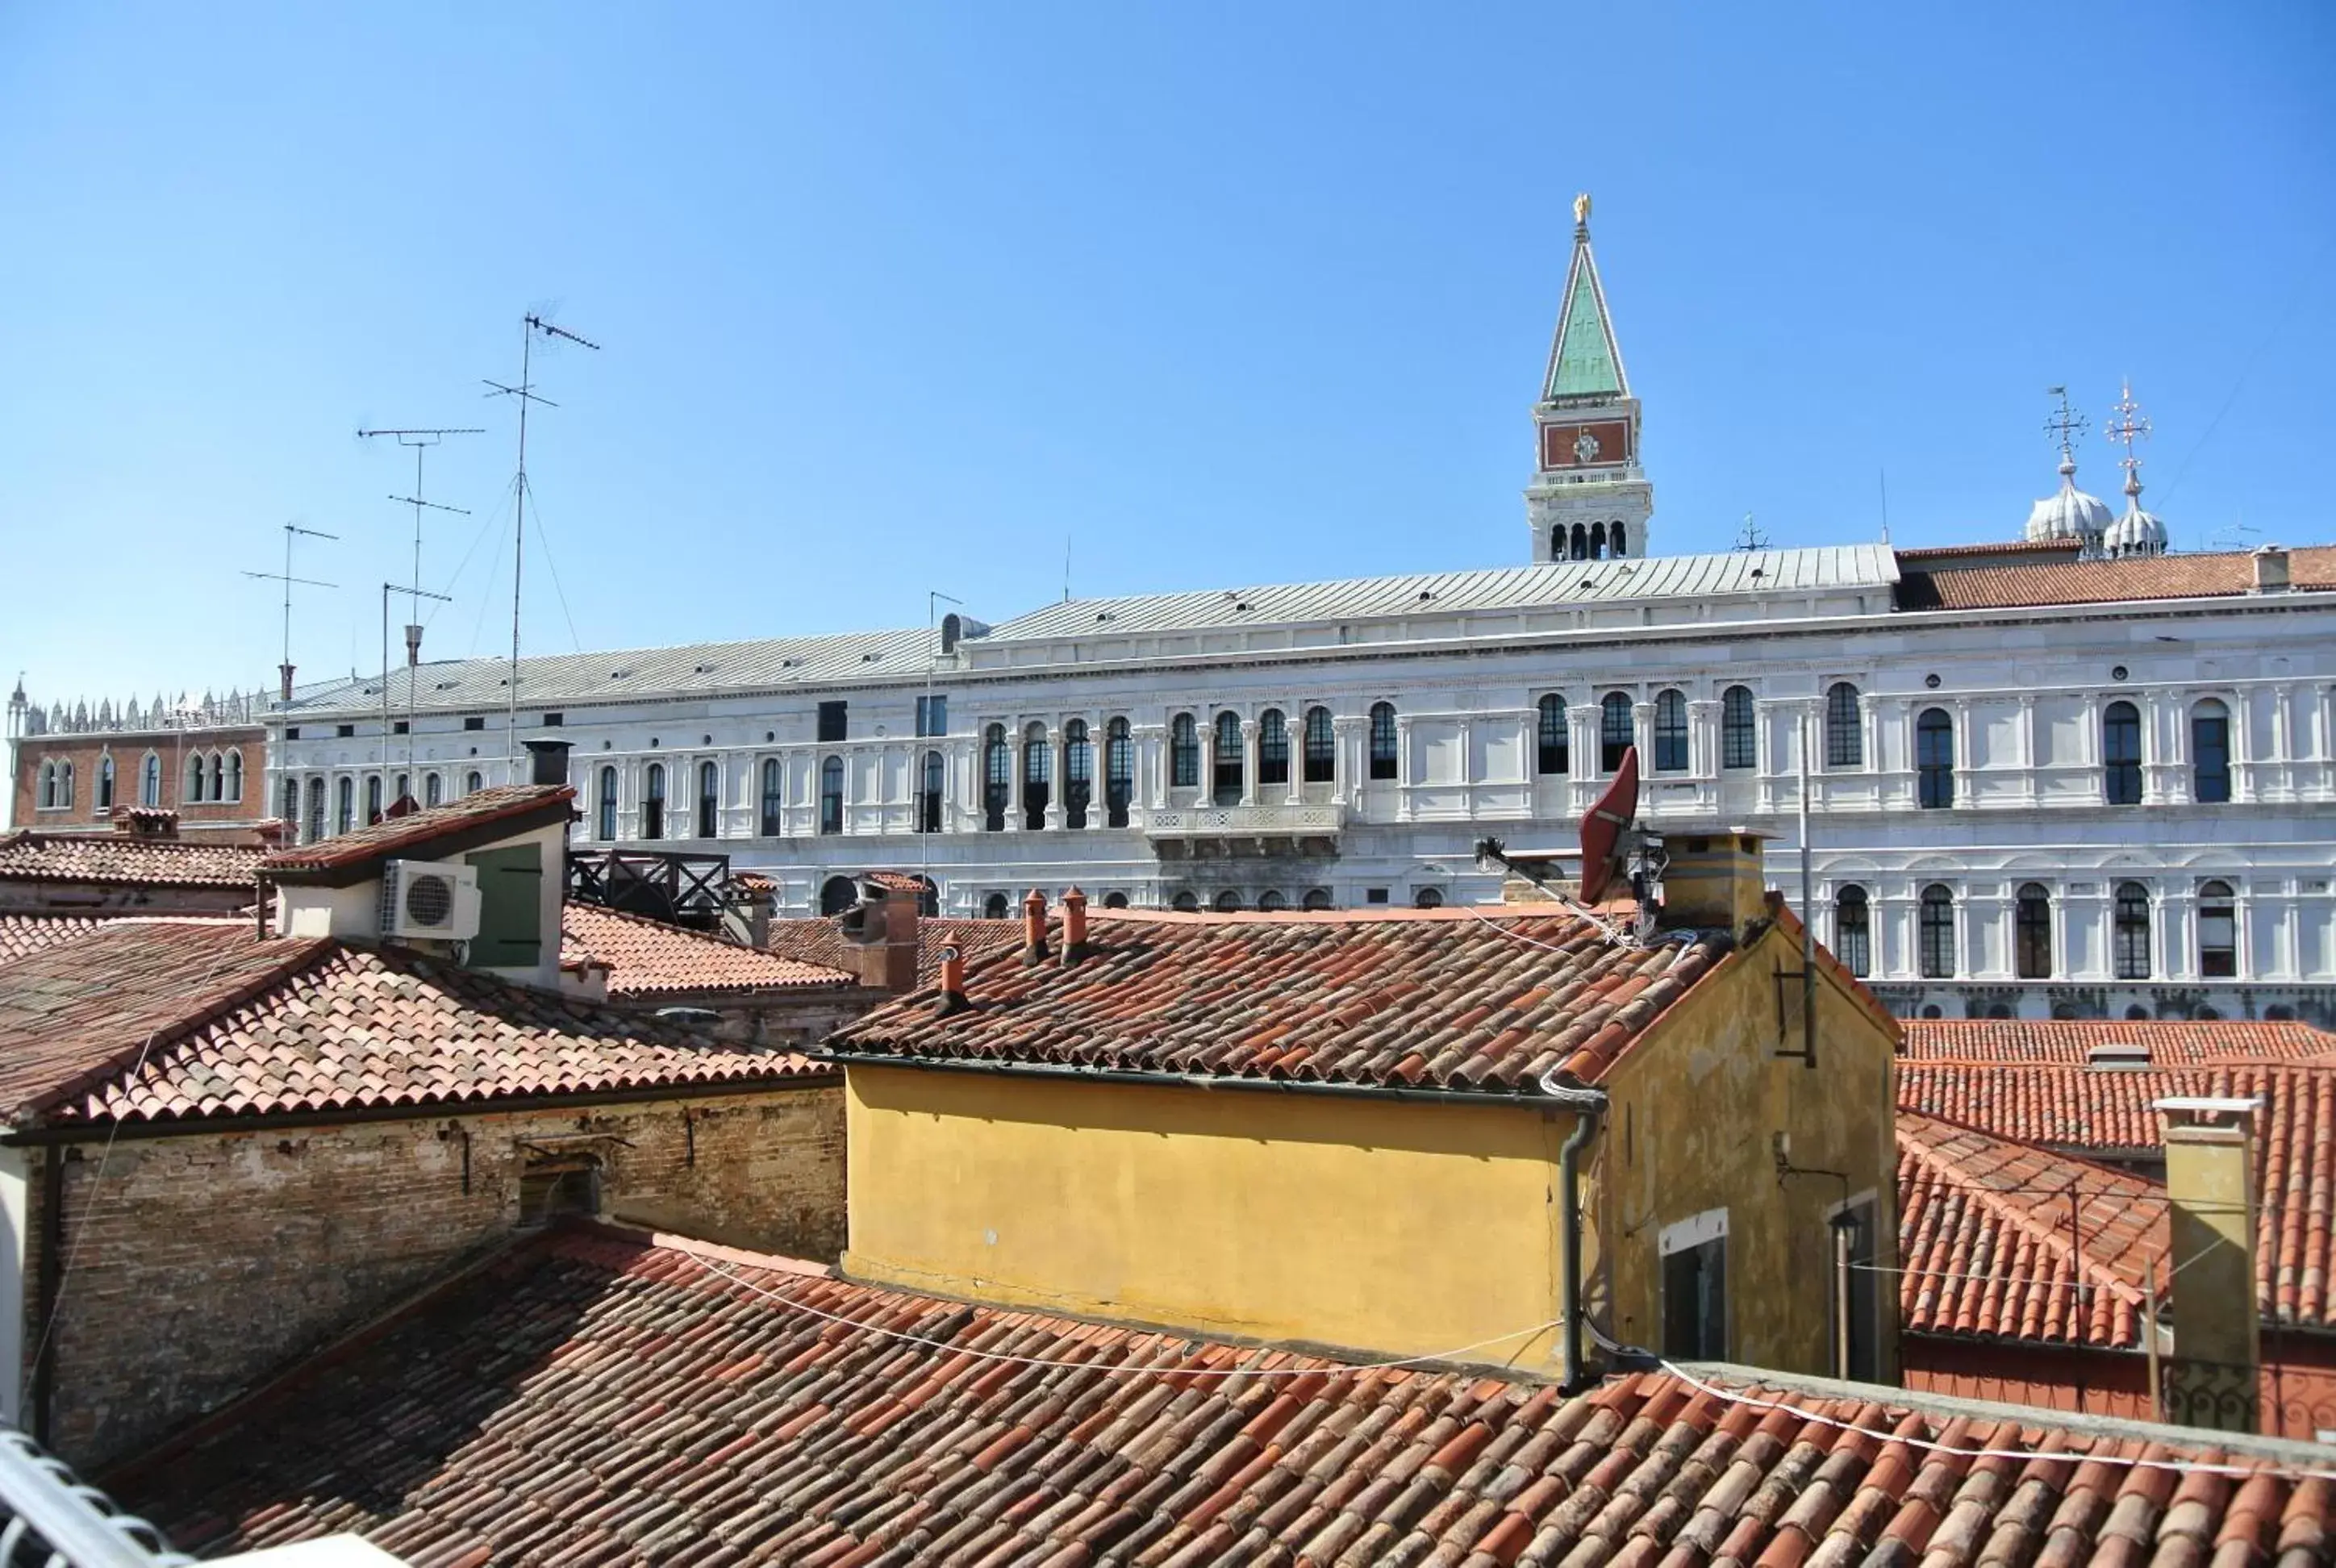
[(897, 298)]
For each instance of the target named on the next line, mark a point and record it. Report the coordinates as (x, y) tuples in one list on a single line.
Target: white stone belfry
[(1589, 500)]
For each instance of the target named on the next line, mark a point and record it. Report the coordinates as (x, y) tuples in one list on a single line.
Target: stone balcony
[(1200, 832)]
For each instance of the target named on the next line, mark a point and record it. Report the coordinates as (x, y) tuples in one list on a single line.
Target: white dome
[(2137, 532), (2069, 513)]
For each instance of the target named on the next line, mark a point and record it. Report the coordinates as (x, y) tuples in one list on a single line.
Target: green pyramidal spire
[(1583, 361)]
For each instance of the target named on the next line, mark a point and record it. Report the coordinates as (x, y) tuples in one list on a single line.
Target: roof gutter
[(1059, 1074), (434, 1110)]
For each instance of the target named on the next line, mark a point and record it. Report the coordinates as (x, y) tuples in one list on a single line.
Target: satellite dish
[(1604, 825)]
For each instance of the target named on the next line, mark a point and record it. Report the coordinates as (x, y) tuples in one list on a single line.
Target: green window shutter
[(511, 906)]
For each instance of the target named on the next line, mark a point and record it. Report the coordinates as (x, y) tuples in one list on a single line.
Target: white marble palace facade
[(2071, 774)]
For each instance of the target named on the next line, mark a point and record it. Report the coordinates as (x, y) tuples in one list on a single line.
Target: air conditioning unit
[(436, 900)]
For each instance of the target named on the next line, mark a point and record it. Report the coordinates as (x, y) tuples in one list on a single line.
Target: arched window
[(605, 824), (2132, 932), (373, 798), (65, 784), (1270, 902), (234, 776), (929, 798), (830, 795), (1118, 774), (2279, 1013), (1616, 733), (316, 810), (2136, 1013), (432, 790), (1272, 748), (2032, 932), (1938, 932), (404, 790), (993, 908), (191, 789), (1317, 898), (709, 801), (1935, 759), (772, 819), (1037, 769), (45, 797), (1670, 731), (1557, 542), (1226, 787), (219, 777), (105, 785), (1853, 930), (291, 803), (997, 778), (1183, 753), (837, 894), (2218, 930), (1383, 740), (473, 781), (1228, 902), (149, 781), (1552, 758), (1739, 732), (345, 805), (2121, 754), (1078, 772), (2210, 751), (1598, 541), (1617, 541), (1185, 903), (1581, 550), (1115, 899), (1844, 737), (1428, 898), (653, 803)]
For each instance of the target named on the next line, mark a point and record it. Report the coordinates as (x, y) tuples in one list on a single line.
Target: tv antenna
[(291, 530), (531, 326), (420, 441)]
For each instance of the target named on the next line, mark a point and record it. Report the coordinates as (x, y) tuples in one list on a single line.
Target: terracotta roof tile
[(28, 933), (392, 835), (103, 857), (646, 957), (597, 1397), (2170, 1044), (1454, 998), (148, 1020), (2106, 581), (822, 941), (2108, 1111)]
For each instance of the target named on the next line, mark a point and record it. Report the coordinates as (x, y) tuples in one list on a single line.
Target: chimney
[(285, 671), (547, 762), (1034, 928), (2210, 1379), (885, 930), (1714, 881), (2270, 569), (952, 982), (1075, 927)]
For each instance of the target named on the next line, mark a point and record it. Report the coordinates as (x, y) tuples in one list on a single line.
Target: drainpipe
[(52, 1280), (1587, 1105)]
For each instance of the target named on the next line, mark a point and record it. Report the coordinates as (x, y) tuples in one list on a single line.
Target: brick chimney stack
[(2210, 1380), (888, 956), (1075, 927), (1034, 928), (2271, 569)]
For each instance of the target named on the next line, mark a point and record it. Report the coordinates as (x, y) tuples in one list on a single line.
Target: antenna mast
[(420, 441), (291, 530), (529, 325)]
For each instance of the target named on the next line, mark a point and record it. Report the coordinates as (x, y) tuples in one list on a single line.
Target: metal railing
[(53, 1519)]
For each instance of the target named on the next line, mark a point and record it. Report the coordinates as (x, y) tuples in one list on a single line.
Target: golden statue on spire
[(1582, 211)]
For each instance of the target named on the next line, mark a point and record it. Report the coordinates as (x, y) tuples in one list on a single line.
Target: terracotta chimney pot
[(953, 981), (1075, 927), (1034, 927)]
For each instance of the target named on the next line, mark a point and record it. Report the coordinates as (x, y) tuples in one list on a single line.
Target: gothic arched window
[(830, 795), (219, 777), (1739, 731), (234, 778), (1616, 733), (149, 781), (1670, 731), (106, 784), (1853, 930), (1272, 748), (1844, 735), (193, 788), (1552, 751), (1383, 740), (2031, 922), (2121, 754), (1935, 759)]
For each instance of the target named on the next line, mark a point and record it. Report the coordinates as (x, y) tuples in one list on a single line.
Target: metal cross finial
[(2067, 424), (2127, 425)]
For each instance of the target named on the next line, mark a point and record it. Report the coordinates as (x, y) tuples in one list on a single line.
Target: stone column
[(1208, 780), (1403, 766), (1015, 743), (1058, 771), (1347, 730), (1703, 737), (1249, 762)]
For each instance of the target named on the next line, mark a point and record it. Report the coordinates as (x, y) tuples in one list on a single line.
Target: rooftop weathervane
[(2127, 424), (2067, 424)]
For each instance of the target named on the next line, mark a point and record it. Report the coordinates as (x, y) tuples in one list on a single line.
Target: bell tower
[(1589, 500)]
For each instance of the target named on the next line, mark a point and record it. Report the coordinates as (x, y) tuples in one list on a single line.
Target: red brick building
[(75, 768)]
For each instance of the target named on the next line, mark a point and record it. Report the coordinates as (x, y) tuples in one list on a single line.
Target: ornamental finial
[(1581, 212)]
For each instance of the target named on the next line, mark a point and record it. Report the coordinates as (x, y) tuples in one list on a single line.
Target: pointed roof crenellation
[(1584, 360)]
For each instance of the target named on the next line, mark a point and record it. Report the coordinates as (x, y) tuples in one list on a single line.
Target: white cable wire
[(2138, 1462), (1330, 1369)]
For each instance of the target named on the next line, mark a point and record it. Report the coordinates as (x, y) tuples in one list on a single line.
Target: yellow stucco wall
[(1396, 1228), (1692, 1111)]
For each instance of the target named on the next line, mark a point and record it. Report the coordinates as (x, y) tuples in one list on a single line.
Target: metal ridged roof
[(1569, 582)]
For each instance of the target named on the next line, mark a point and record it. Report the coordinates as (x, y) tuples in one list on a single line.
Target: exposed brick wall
[(197, 819), (210, 1260)]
